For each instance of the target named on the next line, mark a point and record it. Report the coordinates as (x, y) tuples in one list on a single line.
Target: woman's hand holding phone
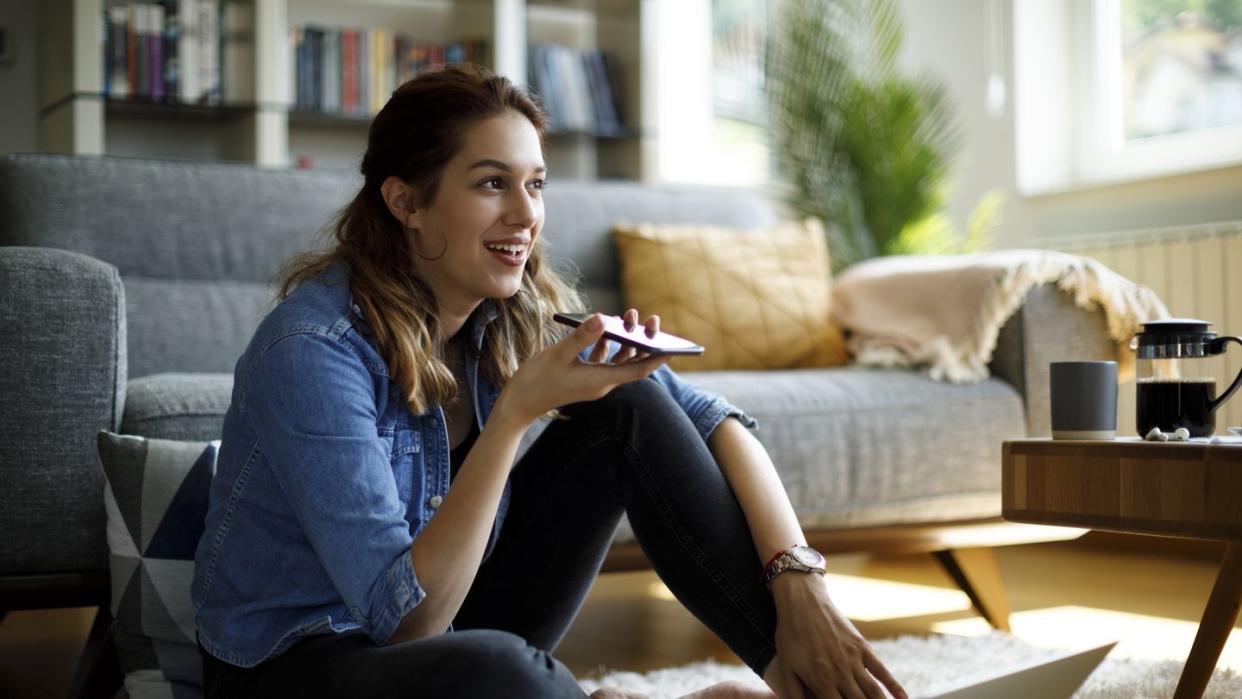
[(626, 353), (557, 376)]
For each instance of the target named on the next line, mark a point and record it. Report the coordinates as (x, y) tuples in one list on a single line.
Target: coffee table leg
[(1218, 620)]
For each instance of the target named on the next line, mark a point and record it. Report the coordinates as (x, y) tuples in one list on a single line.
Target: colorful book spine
[(349, 71), (578, 90), (354, 71), (155, 51), (172, 50)]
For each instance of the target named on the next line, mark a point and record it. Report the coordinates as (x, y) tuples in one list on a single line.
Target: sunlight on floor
[(875, 600), (867, 599), (1140, 636)]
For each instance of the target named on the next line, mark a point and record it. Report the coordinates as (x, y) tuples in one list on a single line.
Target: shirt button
[(357, 310), (435, 501)]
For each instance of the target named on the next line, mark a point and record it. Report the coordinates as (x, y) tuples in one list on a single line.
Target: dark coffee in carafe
[(1173, 403)]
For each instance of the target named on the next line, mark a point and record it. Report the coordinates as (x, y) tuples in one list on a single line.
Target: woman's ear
[(399, 197)]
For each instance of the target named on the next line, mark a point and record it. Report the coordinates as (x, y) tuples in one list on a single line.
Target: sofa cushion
[(756, 299), (155, 495), (177, 406), (234, 309), (860, 447)]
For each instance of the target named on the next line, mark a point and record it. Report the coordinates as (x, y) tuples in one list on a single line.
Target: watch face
[(808, 556)]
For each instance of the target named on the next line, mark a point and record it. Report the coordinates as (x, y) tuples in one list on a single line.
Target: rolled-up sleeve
[(312, 405), (704, 408)]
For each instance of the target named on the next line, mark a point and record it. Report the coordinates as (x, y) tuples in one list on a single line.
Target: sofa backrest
[(198, 244)]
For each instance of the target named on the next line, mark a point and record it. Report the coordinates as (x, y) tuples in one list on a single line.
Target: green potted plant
[(863, 147)]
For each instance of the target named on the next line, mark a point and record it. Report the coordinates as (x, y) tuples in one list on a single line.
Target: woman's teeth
[(512, 249)]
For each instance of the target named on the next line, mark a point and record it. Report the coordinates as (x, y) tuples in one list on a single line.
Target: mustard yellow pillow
[(756, 299)]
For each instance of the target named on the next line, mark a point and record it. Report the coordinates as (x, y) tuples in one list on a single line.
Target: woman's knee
[(499, 663), (643, 397)]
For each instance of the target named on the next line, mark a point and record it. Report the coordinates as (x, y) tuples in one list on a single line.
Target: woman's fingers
[(631, 319), (600, 351), (653, 326), (793, 686), (591, 330), (623, 355), (870, 688), (881, 673)]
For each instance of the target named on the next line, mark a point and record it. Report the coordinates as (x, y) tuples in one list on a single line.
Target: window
[(712, 118), (1117, 90), (1180, 67)]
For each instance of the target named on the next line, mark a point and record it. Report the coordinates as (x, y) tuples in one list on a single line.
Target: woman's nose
[(521, 210)]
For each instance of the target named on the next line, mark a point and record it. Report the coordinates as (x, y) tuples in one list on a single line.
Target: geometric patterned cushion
[(756, 299), (155, 495)]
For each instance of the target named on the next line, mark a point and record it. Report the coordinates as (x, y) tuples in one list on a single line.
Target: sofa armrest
[(63, 380), (1047, 327)]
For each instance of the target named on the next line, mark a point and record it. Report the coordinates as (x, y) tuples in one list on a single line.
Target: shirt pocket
[(407, 448)]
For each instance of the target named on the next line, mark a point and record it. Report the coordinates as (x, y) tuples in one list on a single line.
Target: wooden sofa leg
[(976, 572)]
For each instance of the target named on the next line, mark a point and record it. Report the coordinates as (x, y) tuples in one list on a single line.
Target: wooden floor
[(1151, 602)]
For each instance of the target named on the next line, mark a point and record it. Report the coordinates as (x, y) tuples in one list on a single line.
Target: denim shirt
[(324, 478)]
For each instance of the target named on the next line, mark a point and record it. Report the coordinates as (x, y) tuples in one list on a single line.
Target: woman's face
[(485, 216)]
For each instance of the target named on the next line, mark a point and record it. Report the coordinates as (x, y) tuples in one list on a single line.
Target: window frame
[(1079, 141)]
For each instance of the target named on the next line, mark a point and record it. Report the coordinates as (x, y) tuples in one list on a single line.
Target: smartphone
[(614, 329)]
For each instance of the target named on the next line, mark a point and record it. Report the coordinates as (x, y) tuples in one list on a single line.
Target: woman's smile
[(511, 251)]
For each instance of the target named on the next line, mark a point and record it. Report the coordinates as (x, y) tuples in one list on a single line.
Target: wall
[(19, 115), (947, 38)]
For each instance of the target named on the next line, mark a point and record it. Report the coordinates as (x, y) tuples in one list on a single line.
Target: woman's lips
[(509, 258)]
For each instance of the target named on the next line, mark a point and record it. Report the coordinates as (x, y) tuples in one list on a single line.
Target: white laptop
[(1054, 678)]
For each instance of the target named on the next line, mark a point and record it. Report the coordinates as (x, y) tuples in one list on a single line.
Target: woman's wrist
[(507, 417), (795, 586)]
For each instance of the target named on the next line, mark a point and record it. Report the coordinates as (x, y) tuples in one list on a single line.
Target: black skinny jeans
[(633, 451)]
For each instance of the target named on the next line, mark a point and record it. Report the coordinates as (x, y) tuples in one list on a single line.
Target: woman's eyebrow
[(488, 162)]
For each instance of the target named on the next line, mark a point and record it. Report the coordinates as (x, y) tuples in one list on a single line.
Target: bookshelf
[(256, 118)]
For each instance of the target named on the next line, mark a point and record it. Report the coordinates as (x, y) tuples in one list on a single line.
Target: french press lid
[(1172, 338)]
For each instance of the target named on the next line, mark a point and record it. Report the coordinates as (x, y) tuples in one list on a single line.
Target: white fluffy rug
[(924, 665)]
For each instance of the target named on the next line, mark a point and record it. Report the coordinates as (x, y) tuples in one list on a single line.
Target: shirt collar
[(479, 320)]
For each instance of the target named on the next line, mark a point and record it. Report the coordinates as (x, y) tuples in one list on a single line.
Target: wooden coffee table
[(1187, 489)]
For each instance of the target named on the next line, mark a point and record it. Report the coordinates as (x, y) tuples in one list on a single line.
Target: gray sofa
[(129, 287)]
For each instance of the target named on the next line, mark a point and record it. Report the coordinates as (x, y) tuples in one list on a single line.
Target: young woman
[(369, 533)]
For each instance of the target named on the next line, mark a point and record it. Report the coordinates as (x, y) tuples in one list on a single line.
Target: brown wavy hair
[(414, 137)]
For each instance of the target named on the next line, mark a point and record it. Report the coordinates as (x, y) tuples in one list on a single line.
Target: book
[(349, 71), (208, 52), (189, 52), (172, 50), (331, 76), (155, 51), (354, 71), (237, 53), (116, 83)]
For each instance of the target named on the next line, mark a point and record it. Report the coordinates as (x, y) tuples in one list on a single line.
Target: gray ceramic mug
[(1083, 400)]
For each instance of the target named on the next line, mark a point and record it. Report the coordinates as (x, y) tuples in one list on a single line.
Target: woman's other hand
[(819, 653), (557, 376)]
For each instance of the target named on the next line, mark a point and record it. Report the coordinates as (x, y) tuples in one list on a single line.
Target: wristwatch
[(800, 558)]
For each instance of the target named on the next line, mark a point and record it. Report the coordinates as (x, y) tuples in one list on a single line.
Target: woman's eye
[(539, 184), (493, 181)]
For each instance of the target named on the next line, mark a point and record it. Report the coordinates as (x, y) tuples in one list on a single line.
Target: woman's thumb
[(586, 334)]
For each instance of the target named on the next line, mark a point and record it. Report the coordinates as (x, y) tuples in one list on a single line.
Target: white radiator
[(1189, 269)]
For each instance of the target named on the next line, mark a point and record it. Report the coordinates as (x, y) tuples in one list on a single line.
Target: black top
[(458, 454)]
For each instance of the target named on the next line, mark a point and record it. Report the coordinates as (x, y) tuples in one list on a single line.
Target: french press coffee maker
[(1175, 385)]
